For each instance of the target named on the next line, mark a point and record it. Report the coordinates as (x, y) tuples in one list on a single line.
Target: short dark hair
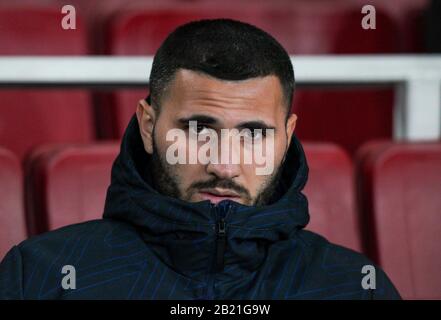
[(222, 48)]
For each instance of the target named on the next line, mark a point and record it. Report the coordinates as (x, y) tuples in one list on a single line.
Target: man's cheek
[(280, 151), (251, 182), (265, 153), (188, 174)]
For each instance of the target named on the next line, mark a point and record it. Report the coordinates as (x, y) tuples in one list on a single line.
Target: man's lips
[(220, 192), (217, 195)]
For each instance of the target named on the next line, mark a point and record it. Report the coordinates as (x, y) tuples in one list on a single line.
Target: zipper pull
[(221, 244)]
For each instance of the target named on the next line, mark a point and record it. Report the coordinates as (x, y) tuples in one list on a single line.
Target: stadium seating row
[(397, 220), (60, 115)]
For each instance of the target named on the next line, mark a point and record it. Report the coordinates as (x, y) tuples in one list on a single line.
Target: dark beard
[(167, 183), (269, 192), (163, 180)]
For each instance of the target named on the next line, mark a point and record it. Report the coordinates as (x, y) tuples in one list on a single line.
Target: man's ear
[(290, 126), (146, 116)]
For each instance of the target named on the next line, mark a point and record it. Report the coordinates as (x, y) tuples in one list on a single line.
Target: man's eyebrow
[(205, 119), (202, 118), (256, 124)]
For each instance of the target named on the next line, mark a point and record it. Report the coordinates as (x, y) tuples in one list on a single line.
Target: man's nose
[(228, 162), (224, 171)]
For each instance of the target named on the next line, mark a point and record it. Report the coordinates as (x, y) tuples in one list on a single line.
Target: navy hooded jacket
[(150, 246)]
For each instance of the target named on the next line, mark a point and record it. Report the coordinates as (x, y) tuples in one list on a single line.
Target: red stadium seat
[(399, 188), (331, 195), (351, 116), (67, 184), (29, 117), (12, 218)]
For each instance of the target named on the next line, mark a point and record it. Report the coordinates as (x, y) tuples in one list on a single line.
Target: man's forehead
[(194, 81), (192, 91)]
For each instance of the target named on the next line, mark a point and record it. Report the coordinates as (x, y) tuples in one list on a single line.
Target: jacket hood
[(183, 233)]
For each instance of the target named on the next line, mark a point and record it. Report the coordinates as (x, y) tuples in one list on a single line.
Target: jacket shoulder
[(83, 241), (33, 269), (88, 229), (330, 254), (338, 265)]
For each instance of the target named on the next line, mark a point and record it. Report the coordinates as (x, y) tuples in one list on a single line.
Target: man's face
[(255, 103)]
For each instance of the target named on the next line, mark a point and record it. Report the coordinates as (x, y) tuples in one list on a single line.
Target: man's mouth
[(217, 195)]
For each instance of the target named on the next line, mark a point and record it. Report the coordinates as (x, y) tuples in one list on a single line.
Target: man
[(177, 229)]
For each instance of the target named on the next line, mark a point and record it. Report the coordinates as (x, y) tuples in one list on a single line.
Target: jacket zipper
[(221, 243)]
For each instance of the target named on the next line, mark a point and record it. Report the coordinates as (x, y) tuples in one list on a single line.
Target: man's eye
[(199, 129), (255, 134)]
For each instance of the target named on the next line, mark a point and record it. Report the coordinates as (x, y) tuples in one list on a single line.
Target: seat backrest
[(331, 195), (67, 184), (29, 117), (399, 190), (349, 116), (12, 217)]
